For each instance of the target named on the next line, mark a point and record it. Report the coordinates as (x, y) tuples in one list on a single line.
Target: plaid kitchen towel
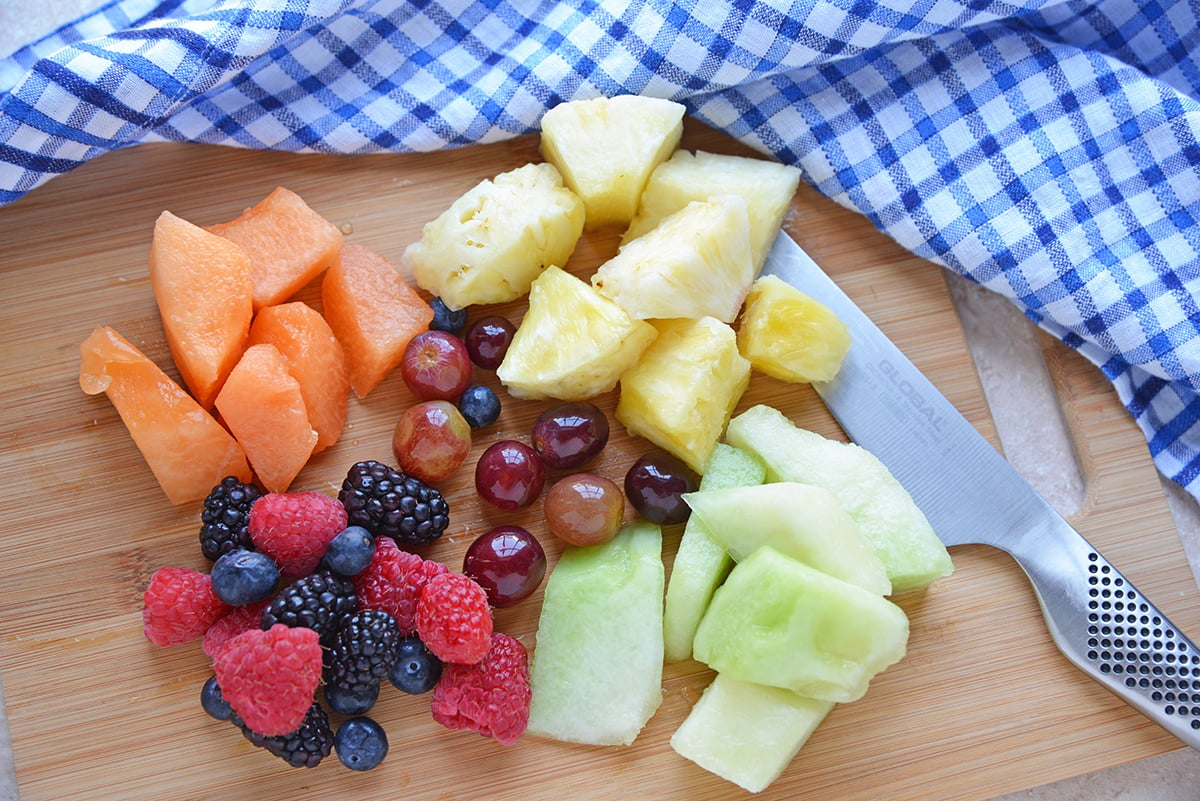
[(1046, 149)]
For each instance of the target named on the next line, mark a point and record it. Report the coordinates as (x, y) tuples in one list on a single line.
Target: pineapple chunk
[(493, 241), (790, 336), (606, 148), (573, 342), (682, 391), (767, 187), (695, 263)]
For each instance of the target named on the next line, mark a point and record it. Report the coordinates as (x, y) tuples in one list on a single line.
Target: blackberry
[(320, 601), (223, 521), (303, 748), (364, 651), (389, 503)]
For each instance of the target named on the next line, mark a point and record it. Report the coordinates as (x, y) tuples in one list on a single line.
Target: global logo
[(913, 395)]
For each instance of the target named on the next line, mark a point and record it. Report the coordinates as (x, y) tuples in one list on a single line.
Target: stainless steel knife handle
[(1108, 629)]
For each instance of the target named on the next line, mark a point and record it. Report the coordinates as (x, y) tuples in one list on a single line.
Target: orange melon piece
[(187, 450), (289, 244), (202, 286), (373, 312), (262, 405), (315, 359)]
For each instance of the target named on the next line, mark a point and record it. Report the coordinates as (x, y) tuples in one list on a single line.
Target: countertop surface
[(1008, 352)]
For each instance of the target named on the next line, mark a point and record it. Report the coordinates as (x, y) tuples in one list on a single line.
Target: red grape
[(508, 562), (569, 434), (509, 475), (584, 509), (655, 485), (436, 366), (431, 440), (487, 340)]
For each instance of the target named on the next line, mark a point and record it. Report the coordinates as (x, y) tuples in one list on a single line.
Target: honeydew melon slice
[(800, 520), (747, 733), (779, 622), (865, 488), (596, 672), (701, 563)]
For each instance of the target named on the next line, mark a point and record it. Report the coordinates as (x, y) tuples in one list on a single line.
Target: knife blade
[(971, 494)]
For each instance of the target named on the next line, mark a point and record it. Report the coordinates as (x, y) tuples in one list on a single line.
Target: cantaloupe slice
[(372, 311), (262, 405), (289, 244), (203, 289), (188, 451), (315, 359)]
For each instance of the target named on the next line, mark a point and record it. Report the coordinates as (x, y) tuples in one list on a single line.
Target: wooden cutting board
[(982, 705)]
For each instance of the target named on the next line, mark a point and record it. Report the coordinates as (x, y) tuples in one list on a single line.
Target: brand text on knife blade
[(911, 394)]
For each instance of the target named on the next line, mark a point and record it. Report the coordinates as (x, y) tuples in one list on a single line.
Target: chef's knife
[(971, 494)]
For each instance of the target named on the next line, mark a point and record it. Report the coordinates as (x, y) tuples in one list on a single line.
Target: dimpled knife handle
[(1112, 632)]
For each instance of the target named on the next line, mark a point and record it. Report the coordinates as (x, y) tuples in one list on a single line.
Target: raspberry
[(490, 697), (389, 503), (224, 517), (454, 619), (179, 605), (293, 528), (393, 583), (230, 625), (320, 601), (270, 677), (304, 747)]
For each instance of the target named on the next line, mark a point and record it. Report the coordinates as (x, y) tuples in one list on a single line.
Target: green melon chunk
[(596, 672), (701, 563), (802, 521), (779, 622), (747, 733), (866, 489)]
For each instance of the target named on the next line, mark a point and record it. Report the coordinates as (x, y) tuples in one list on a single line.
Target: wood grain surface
[(982, 705)]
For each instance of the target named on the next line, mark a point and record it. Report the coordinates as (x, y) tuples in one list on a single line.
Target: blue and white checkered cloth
[(1047, 149)]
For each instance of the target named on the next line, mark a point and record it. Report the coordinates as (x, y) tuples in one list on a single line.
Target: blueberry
[(446, 320), (242, 577), (213, 702), (350, 551), (479, 405), (351, 702), (416, 670), (360, 743)]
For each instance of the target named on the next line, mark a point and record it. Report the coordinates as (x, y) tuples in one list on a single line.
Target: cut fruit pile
[(774, 585), (792, 542), (657, 317), (783, 570), (265, 379), (310, 596)]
